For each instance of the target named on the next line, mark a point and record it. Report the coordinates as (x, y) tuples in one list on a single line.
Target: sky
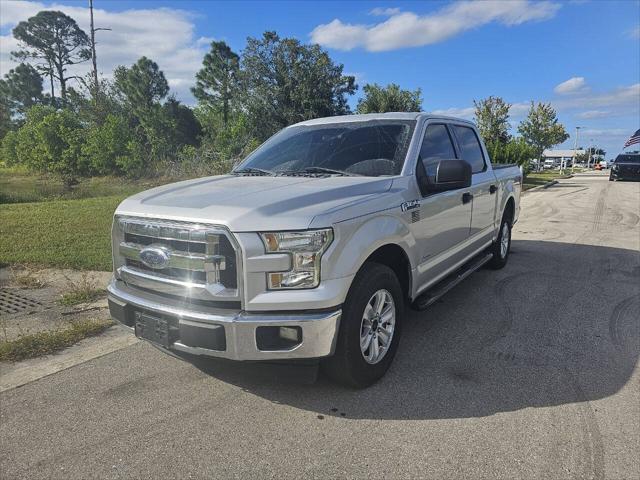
[(581, 56)]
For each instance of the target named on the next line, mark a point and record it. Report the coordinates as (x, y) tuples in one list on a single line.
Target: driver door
[(445, 217)]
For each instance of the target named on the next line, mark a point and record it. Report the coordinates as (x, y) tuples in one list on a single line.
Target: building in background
[(555, 158)]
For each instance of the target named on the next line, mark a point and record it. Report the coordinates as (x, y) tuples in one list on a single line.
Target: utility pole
[(575, 150), (96, 85)]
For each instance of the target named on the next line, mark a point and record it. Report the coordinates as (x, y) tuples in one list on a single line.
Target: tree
[(5, 118), (516, 150), (144, 86), (50, 141), (217, 80), (541, 129), (187, 128), (111, 148), (391, 98), (20, 89), (492, 119), (55, 41), (286, 82)]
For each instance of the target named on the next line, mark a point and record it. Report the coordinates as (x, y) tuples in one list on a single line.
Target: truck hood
[(248, 204)]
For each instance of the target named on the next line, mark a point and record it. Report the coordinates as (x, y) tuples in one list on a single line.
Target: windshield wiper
[(326, 170), (253, 170)]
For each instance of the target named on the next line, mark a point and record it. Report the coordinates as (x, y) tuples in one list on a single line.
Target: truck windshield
[(628, 158), (368, 148)]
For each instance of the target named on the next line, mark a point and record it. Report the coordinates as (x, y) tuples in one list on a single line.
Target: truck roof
[(377, 116)]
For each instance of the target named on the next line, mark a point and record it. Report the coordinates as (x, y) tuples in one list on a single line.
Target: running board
[(433, 294)]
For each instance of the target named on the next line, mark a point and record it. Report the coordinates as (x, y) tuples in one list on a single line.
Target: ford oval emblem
[(155, 257)]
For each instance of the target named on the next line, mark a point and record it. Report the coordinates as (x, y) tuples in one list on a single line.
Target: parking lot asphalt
[(526, 372)]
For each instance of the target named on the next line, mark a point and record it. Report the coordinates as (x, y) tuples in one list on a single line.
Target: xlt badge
[(406, 206)]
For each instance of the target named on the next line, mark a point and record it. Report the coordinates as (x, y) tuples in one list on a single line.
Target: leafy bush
[(107, 146), (515, 151), (50, 141), (8, 151)]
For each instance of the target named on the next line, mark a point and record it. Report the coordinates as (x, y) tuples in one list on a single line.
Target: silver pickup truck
[(312, 246)]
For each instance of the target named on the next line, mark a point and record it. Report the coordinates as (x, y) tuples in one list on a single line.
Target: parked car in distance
[(603, 164), (312, 247), (626, 167)]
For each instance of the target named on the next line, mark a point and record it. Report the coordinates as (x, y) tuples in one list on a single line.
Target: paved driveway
[(529, 372)]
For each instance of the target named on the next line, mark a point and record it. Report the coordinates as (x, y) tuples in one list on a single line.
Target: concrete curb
[(541, 187), (15, 375)]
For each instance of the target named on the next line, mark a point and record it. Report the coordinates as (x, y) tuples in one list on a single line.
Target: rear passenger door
[(444, 221), (483, 186)]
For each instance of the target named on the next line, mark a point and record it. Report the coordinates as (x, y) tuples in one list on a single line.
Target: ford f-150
[(312, 247)]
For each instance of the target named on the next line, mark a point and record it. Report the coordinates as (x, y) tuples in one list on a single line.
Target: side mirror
[(451, 175)]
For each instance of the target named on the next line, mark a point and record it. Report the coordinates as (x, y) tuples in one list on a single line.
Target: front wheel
[(370, 328), (502, 245)]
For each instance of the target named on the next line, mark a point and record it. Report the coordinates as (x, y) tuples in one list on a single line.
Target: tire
[(348, 366), (499, 249)]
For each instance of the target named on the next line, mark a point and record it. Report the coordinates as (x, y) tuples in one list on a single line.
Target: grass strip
[(76, 297), (44, 343), (59, 233)]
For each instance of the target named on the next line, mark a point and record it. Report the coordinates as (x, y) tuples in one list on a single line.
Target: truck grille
[(182, 259)]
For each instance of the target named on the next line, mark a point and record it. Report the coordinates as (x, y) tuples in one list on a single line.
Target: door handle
[(467, 197), (493, 189)]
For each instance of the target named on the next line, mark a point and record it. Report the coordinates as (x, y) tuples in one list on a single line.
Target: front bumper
[(230, 334), (627, 173)]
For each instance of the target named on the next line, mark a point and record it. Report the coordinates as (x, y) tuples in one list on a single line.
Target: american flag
[(633, 139)]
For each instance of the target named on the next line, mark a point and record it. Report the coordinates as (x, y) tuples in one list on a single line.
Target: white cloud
[(162, 34), (605, 132), (456, 112), (591, 114), (621, 100), (517, 110), (572, 86), (407, 29), (635, 32), (384, 12)]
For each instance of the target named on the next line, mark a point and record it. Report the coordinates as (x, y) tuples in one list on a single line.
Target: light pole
[(575, 149)]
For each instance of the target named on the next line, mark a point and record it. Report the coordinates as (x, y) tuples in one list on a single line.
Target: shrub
[(50, 141), (107, 144), (515, 151), (8, 152)]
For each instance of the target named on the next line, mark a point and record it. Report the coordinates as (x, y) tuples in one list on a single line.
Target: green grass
[(44, 343), (77, 297), (59, 233), (19, 186), (540, 178)]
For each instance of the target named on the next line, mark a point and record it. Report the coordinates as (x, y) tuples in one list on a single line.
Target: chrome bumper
[(318, 330)]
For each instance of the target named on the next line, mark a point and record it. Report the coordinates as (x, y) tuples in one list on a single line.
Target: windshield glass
[(371, 148), (628, 159)]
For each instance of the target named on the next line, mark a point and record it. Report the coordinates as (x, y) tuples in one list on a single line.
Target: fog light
[(278, 338), (291, 333)]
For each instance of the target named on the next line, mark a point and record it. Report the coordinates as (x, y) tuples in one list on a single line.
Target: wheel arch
[(509, 210), (385, 239)]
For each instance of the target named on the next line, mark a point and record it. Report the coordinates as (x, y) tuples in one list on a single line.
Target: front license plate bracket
[(154, 329)]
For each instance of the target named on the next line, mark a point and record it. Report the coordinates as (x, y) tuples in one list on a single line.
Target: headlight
[(306, 249)]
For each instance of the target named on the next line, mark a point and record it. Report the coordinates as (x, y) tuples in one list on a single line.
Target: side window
[(470, 149), (436, 146)]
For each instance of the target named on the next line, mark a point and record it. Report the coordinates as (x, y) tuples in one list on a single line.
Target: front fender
[(356, 239)]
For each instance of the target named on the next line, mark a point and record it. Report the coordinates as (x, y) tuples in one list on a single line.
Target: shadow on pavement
[(558, 325)]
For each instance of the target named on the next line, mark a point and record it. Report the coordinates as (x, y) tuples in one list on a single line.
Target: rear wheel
[(502, 246), (370, 328)]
